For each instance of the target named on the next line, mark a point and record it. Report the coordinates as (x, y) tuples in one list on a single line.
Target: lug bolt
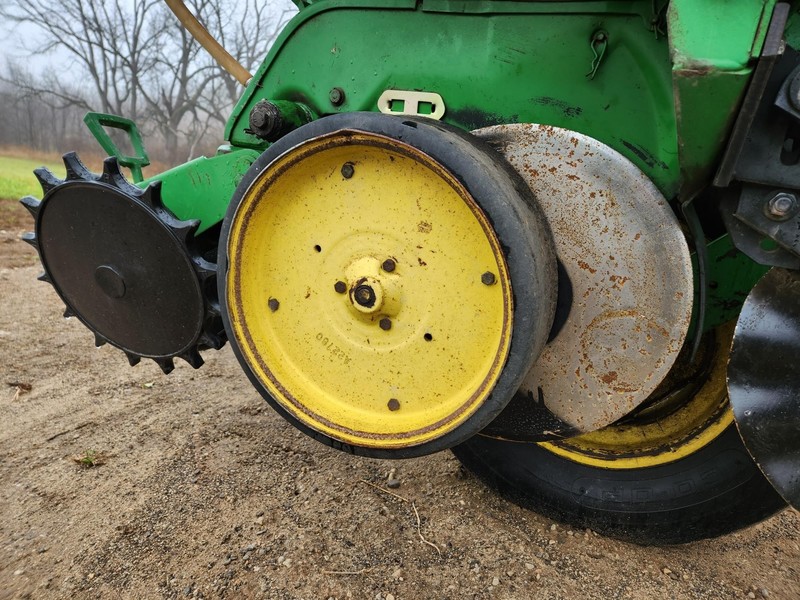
[(336, 96), (347, 170), (340, 287), (385, 324), (388, 265), (780, 205), (393, 404), (273, 304), (488, 278)]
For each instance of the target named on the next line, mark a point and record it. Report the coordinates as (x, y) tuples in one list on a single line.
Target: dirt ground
[(204, 492)]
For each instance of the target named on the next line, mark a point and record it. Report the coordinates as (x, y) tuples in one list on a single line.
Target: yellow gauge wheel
[(367, 293), (666, 430)]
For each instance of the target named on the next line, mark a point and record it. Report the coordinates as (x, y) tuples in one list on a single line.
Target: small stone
[(594, 554), (764, 592), (389, 597), (393, 484), (553, 527), (259, 520), (552, 542), (666, 571), (260, 513), (187, 591), (530, 566), (287, 563), (751, 595), (19, 571), (495, 581), (397, 573)]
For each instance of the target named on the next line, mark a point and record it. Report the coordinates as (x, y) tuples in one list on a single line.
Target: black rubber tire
[(714, 491)]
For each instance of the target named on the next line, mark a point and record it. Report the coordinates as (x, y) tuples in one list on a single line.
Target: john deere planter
[(559, 238)]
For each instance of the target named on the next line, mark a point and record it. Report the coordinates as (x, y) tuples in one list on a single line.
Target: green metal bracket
[(97, 123)]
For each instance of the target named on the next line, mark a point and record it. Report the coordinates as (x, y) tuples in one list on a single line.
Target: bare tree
[(139, 62)]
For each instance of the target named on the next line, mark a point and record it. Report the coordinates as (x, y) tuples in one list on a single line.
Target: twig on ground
[(416, 513), (384, 490), (60, 433), (360, 572), (419, 531)]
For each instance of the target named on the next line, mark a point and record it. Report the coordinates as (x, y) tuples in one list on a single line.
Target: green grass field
[(17, 179)]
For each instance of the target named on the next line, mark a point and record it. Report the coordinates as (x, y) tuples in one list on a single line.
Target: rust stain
[(619, 281), (609, 377), (424, 227), (585, 266), (421, 262)]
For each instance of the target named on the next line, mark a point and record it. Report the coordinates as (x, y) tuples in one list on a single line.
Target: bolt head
[(273, 304), (340, 287), (348, 170), (388, 265), (488, 278), (393, 404), (781, 205), (336, 96), (385, 324)]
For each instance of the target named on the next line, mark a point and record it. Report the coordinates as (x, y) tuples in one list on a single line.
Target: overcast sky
[(18, 41)]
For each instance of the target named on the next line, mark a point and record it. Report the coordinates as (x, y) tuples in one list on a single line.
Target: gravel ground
[(199, 490)]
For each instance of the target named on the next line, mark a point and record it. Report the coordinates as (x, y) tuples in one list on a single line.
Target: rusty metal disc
[(763, 379), (626, 284)]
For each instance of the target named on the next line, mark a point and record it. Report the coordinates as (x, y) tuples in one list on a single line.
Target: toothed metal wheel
[(124, 265)]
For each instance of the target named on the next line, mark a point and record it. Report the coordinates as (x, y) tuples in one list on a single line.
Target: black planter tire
[(712, 492)]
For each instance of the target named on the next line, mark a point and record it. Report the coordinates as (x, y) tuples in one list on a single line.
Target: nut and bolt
[(365, 296), (340, 287), (488, 278), (385, 324), (388, 265), (273, 304), (780, 205), (347, 170), (336, 96)]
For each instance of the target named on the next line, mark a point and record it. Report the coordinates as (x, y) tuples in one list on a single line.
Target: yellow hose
[(200, 33)]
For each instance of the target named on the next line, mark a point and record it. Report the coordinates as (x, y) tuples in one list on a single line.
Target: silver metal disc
[(764, 377), (628, 264)]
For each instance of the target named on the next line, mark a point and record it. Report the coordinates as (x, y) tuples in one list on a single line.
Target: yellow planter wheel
[(373, 272)]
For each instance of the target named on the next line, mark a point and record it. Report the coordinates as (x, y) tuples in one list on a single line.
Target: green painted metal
[(665, 103), (97, 123), (492, 62), (201, 189), (732, 276), (712, 44)]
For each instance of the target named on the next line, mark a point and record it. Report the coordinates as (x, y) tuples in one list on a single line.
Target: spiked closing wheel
[(124, 265), (370, 263)]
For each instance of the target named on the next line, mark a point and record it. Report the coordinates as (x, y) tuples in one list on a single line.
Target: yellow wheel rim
[(646, 443), (367, 291)]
